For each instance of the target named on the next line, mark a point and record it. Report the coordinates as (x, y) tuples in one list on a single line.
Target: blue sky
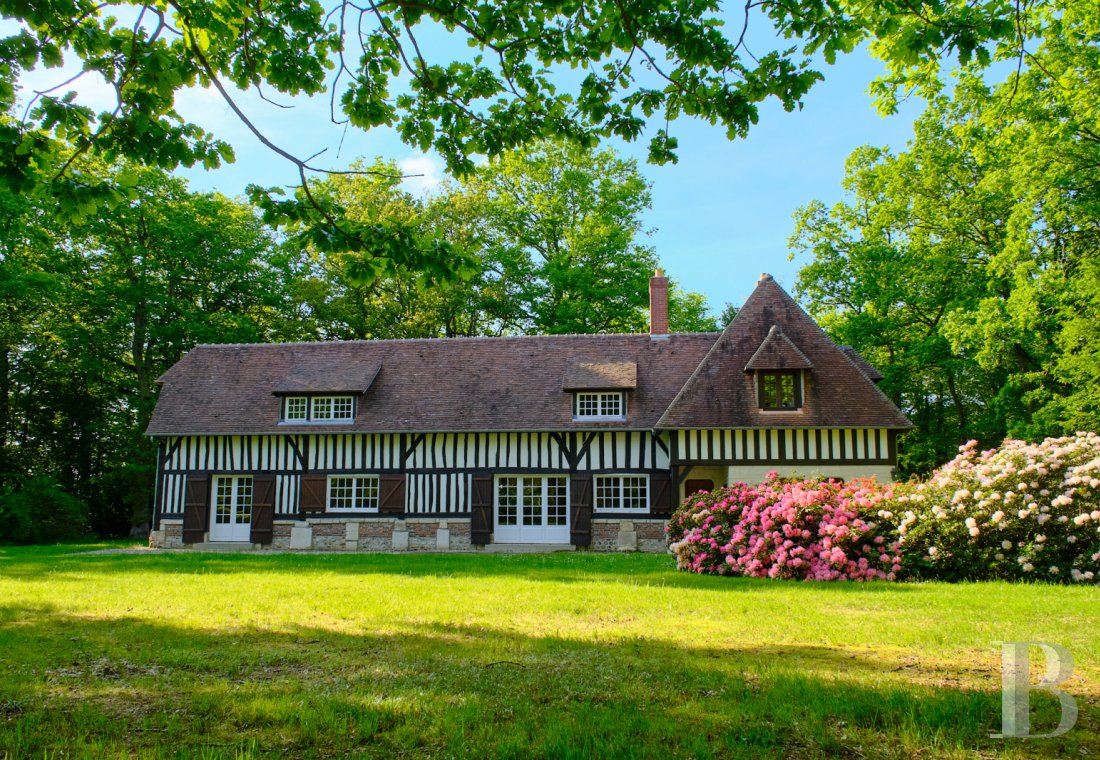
[(720, 216)]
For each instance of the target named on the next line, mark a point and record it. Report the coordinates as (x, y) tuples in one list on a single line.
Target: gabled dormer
[(599, 390), (773, 366), (324, 392), (779, 370)]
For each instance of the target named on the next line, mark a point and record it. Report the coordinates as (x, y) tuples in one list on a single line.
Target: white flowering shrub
[(1021, 511)]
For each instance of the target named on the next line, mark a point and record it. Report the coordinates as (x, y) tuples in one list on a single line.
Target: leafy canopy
[(562, 69), (966, 266)]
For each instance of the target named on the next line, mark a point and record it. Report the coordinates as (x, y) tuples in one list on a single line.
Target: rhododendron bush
[(1021, 511), (813, 530)]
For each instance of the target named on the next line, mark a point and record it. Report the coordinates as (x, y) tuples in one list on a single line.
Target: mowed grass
[(563, 655)]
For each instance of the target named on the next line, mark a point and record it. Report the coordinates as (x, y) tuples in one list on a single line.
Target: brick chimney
[(658, 305)]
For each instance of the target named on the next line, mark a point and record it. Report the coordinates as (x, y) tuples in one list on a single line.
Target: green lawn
[(564, 655)]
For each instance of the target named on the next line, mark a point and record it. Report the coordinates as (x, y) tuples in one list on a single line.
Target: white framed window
[(356, 493), (604, 405), (296, 408), (621, 493), (532, 509), (318, 409)]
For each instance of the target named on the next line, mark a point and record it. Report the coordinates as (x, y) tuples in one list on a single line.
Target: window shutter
[(481, 518), (263, 509), (312, 496), (661, 501), (196, 507), (391, 493), (580, 510)]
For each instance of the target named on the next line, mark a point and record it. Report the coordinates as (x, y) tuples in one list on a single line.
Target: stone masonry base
[(386, 534)]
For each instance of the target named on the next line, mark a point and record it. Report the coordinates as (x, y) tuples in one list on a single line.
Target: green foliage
[(1018, 512), (95, 309), (40, 512), (689, 311), (964, 268), (550, 240), (534, 71)]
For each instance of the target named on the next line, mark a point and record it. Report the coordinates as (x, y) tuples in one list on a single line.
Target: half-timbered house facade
[(583, 440)]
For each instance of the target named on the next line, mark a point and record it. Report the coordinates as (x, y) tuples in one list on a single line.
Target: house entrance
[(531, 509), (232, 515)]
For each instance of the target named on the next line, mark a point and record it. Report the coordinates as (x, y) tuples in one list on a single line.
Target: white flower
[(1006, 544), (997, 516), (1071, 539), (1028, 567), (998, 556), (974, 532), (932, 551), (1043, 519), (1053, 570)]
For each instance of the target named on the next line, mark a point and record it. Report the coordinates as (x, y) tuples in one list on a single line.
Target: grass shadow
[(129, 686)]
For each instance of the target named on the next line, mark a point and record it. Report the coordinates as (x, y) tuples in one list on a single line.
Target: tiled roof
[(470, 384), (864, 366), (330, 374), (777, 352), (721, 393), (581, 376)]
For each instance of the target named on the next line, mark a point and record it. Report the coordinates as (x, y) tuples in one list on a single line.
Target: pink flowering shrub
[(1020, 511), (806, 530)]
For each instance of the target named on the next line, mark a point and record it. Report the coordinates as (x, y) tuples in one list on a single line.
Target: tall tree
[(966, 265), (573, 216), (550, 235), (101, 307)]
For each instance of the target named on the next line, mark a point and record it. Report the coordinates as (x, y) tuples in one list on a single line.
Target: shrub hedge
[(1021, 511)]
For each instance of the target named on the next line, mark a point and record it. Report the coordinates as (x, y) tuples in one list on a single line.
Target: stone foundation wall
[(651, 536), (375, 536), (168, 536), (413, 534), (619, 535)]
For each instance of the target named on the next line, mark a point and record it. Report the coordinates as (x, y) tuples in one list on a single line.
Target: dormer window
[(779, 390), (603, 405), (318, 409), (296, 409), (599, 388)]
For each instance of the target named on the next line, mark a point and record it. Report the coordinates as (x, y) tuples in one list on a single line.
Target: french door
[(532, 509), (232, 516)]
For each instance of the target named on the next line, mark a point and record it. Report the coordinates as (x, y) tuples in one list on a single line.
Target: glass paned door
[(532, 509), (232, 515)]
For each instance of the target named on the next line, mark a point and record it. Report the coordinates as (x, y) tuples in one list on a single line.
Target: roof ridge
[(706, 356), (829, 343), (455, 338)]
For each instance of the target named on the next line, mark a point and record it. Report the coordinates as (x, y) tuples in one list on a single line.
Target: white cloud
[(424, 173)]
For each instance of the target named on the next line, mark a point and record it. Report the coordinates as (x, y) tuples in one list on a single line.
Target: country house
[(449, 444)]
